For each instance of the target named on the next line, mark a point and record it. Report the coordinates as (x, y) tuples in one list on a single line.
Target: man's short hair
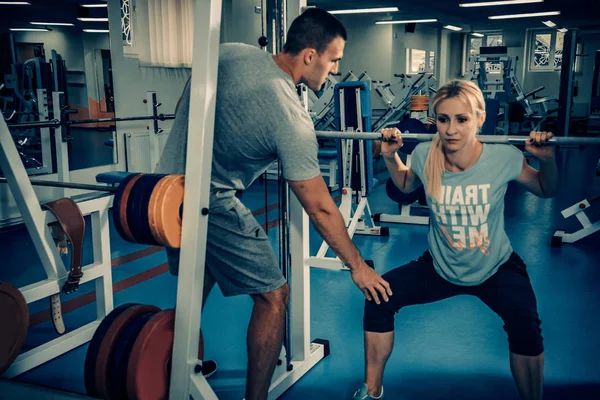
[(315, 28)]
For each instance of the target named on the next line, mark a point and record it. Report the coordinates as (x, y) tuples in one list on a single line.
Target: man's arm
[(325, 215)]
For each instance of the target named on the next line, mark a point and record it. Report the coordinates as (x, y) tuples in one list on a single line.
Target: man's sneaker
[(363, 394), (209, 367)]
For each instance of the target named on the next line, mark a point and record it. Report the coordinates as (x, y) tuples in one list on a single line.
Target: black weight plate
[(89, 369), (137, 209), (116, 213), (122, 351), (398, 196), (413, 126)]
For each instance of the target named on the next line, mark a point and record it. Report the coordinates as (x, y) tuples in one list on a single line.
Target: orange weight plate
[(104, 359), (15, 321), (154, 211), (164, 211)]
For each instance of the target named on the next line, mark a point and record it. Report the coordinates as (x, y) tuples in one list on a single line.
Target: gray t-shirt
[(467, 239), (258, 119)]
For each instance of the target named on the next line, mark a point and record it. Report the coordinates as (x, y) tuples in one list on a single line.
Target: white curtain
[(171, 32)]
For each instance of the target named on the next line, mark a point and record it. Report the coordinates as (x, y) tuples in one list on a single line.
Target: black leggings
[(508, 293)]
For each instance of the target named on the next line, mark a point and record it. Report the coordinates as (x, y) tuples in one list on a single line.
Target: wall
[(369, 47), (454, 57), (132, 81), (423, 38), (585, 78), (240, 23)]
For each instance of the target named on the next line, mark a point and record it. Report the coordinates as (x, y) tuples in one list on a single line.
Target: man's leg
[(528, 372), (264, 340)]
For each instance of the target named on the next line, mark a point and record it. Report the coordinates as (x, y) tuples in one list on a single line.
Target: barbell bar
[(55, 123), (409, 137), (425, 137), (68, 185)]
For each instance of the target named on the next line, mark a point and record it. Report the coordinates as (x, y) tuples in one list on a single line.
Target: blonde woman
[(469, 251)]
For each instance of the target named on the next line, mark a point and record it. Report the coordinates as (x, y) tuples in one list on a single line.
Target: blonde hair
[(469, 93)]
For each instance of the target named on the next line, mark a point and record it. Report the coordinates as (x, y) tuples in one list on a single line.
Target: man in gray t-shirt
[(259, 119)]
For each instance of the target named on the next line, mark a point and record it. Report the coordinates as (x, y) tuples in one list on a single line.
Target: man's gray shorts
[(239, 256)]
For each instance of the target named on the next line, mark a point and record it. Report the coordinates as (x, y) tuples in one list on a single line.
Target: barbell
[(55, 123), (425, 137), (408, 137)]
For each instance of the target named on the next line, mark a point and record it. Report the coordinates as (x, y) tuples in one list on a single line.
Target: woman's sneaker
[(363, 394)]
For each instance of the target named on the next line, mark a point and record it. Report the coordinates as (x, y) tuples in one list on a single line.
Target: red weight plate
[(123, 208), (149, 370), (15, 321), (103, 370)]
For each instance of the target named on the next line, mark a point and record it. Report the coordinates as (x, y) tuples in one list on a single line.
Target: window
[(493, 40), (126, 22), (546, 50), (420, 61), (489, 39)]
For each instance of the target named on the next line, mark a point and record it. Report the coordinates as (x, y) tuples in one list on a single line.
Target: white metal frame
[(36, 220), (405, 216), (357, 217), (186, 379), (588, 227)]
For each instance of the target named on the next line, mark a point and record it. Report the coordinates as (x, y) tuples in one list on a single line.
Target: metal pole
[(69, 185), (423, 137)]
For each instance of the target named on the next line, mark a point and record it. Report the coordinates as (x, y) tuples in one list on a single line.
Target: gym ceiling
[(582, 14)]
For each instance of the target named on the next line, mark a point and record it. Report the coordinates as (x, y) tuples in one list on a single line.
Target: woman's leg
[(510, 294), (414, 283)]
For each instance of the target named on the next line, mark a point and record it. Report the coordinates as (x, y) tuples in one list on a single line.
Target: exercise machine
[(353, 109), (587, 227)]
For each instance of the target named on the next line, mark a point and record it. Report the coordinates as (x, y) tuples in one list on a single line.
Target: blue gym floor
[(454, 349)]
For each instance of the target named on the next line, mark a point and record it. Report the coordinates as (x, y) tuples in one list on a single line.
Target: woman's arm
[(542, 183), (402, 176)]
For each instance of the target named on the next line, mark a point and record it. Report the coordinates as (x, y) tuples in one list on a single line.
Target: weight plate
[(117, 390), (413, 126), (120, 207), (137, 208), (103, 374), (14, 315), (164, 210), (149, 369), (89, 369)]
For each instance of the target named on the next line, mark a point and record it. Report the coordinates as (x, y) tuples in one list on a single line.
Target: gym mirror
[(47, 48)]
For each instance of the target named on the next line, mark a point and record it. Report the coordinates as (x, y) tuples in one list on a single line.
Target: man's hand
[(371, 284)]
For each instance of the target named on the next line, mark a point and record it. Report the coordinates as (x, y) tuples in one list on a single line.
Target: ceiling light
[(96, 30), (365, 10), (499, 3), (563, 30), (414, 21), (29, 30), (94, 5), (52, 23), (549, 23), (93, 19), (453, 28), (477, 34), (539, 14), (14, 3)]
